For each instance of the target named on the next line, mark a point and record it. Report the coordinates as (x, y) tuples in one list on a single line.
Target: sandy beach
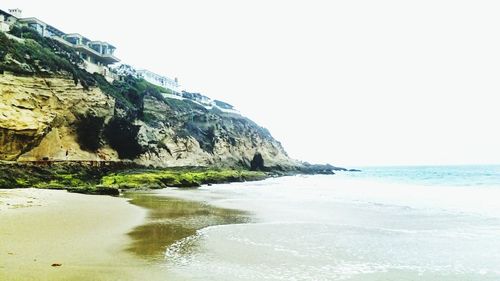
[(86, 235)]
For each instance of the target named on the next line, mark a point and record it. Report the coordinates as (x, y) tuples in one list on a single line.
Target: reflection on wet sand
[(172, 219)]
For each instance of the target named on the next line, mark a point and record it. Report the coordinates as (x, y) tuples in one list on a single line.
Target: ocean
[(479, 176), (384, 223)]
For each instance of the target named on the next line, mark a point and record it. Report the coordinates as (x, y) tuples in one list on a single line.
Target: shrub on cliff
[(4, 46), (48, 43), (41, 56), (129, 93)]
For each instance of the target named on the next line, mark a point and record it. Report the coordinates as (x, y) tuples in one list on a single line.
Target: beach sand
[(85, 234)]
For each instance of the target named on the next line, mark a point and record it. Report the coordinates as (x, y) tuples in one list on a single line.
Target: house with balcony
[(159, 80), (97, 55), (41, 27)]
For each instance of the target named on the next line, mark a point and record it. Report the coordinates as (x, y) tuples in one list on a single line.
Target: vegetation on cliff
[(37, 55)]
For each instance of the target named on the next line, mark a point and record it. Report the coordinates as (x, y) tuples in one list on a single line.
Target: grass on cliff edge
[(167, 178)]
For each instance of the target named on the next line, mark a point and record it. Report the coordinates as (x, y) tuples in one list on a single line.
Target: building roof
[(145, 71), (106, 58), (78, 35), (32, 19), (102, 43), (55, 30), (49, 27), (2, 12)]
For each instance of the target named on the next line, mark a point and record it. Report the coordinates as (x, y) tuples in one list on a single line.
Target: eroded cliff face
[(41, 118), (191, 135), (38, 117)]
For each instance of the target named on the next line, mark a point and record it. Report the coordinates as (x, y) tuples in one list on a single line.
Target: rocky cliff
[(175, 132), (39, 118), (51, 109), (52, 118)]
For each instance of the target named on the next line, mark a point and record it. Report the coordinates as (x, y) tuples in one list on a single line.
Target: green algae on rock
[(111, 178), (178, 178)]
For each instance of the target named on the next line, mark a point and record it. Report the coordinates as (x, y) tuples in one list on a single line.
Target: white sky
[(346, 82)]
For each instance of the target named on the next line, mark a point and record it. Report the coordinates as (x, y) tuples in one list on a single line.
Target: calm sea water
[(391, 223), (478, 176)]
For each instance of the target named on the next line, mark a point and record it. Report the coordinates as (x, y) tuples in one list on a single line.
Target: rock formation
[(52, 118), (52, 109), (38, 117)]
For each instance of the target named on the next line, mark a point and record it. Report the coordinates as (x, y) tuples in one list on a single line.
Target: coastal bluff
[(53, 109), (52, 118)]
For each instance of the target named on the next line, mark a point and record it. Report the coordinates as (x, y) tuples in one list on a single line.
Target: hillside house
[(159, 80), (97, 55)]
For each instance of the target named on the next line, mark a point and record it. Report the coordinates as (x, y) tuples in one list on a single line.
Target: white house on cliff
[(97, 55)]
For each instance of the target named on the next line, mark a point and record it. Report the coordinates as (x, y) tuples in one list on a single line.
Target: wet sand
[(172, 219), (86, 234), (98, 237)]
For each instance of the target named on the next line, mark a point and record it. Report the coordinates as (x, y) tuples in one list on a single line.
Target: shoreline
[(171, 219), (58, 235), (86, 235)]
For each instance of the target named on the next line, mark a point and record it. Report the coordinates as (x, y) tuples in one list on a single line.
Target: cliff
[(51, 109), (40, 118)]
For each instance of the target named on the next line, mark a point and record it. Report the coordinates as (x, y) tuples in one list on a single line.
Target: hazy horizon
[(355, 83)]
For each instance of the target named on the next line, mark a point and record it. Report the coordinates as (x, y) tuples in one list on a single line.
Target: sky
[(350, 83)]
